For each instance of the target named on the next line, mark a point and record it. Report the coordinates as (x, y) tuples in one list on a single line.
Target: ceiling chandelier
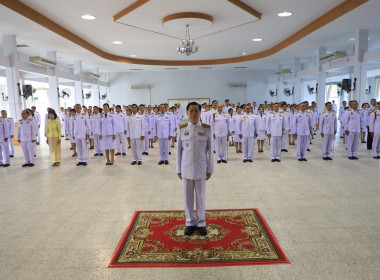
[(187, 45)]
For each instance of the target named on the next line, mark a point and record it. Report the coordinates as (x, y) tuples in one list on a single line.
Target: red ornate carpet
[(235, 237)]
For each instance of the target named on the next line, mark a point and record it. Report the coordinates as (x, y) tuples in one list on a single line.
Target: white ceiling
[(147, 45)]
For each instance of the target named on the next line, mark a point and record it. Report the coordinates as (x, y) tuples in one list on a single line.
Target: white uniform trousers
[(221, 148), (27, 149), (169, 146), (63, 125), (11, 147), (98, 144), (199, 188), (163, 145), (145, 146), (137, 146), (120, 142), (4, 153), (284, 141), (82, 149), (327, 144), (34, 148), (275, 147), (302, 144), (376, 145), (247, 146), (352, 141), (38, 135)]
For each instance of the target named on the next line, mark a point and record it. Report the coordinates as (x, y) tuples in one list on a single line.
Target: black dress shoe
[(244, 160), (139, 163), (224, 161), (218, 161), (356, 158), (71, 149), (129, 147), (1, 165), (25, 165), (329, 158), (124, 154), (101, 154), (278, 160), (31, 164), (160, 162), (74, 155), (304, 159), (166, 162), (146, 153), (6, 165), (79, 163), (11, 156), (273, 160), (351, 158), (189, 230), (202, 231), (300, 159), (376, 157), (324, 158), (133, 163), (84, 163), (117, 154), (96, 155), (308, 150), (170, 153), (284, 150), (250, 160)]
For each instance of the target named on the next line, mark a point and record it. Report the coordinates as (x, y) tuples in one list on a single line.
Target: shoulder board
[(183, 125), (30, 119), (374, 111), (324, 111), (205, 125), (21, 120), (10, 118)]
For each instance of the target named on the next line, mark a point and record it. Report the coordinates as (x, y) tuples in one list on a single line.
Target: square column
[(360, 67), (78, 84), (13, 77), (320, 81), (53, 84), (296, 98)]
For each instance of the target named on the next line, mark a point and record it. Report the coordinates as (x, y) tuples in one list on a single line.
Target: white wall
[(173, 84)]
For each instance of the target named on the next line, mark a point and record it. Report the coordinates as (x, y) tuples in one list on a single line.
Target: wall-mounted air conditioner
[(42, 61), (140, 86), (333, 56), (237, 85)]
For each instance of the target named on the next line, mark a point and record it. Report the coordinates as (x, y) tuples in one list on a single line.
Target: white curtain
[(376, 94)]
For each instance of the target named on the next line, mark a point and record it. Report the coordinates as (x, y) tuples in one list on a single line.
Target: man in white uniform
[(121, 131), (195, 165), (37, 115), (26, 135), (11, 126), (247, 131), (81, 128), (275, 130), (163, 133), (136, 134), (221, 129), (95, 131), (328, 128), (351, 124), (4, 146)]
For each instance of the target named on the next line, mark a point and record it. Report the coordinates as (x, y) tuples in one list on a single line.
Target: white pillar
[(279, 84), (53, 84), (13, 76), (296, 98), (78, 84), (320, 98), (360, 67)]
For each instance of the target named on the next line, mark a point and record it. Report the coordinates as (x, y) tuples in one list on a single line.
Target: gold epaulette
[(374, 111), (205, 125), (183, 125), (324, 111), (21, 120)]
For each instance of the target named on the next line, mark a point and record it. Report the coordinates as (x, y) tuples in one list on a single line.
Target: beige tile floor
[(65, 222)]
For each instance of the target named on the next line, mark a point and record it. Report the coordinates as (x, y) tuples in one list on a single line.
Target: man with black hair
[(195, 165), (120, 130), (136, 134), (81, 128), (328, 128), (351, 124)]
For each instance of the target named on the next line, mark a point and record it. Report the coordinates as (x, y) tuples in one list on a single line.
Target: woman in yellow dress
[(53, 138)]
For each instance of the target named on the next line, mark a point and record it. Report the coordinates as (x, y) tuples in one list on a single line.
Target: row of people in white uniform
[(139, 127)]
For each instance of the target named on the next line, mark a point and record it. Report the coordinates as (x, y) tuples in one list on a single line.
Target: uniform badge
[(82, 118), (187, 144), (202, 133), (186, 132), (307, 115), (166, 117), (27, 122), (121, 116)]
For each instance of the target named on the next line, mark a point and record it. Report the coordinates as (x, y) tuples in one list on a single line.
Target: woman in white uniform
[(261, 129), (107, 134), (236, 120)]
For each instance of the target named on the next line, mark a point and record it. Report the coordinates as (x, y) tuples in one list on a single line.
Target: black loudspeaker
[(346, 85), (27, 91)]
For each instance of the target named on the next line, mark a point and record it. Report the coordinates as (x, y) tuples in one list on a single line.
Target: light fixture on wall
[(187, 45), (5, 97)]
